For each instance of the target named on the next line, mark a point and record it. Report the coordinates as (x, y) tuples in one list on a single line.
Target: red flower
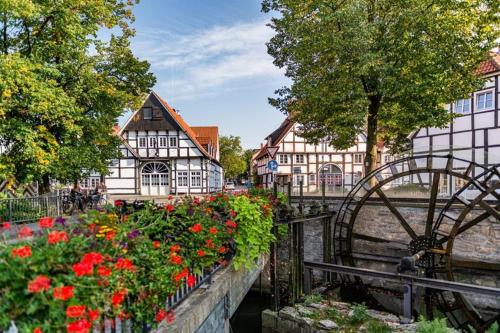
[(118, 203), (156, 244), (210, 243), (118, 297), (170, 197), (175, 259), (110, 235), (232, 213), (162, 314), (21, 252), (39, 284), (191, 280), (79, 326), (169, 208), (123, 315), (231, 224), (170, 316), (196, 200), (83, 268), (46, 222), (25, 232), (124, 264), (196, 228), (222, 249), (212, 198), (93, 314), (213, 230), (92, 258), (103, 271), (6, 226), (181, 275), (75, 311), (37, 330), (63, 293), (200, 253), (175, 248), (57, 236)]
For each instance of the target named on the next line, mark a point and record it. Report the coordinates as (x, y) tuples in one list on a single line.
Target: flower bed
[(69, 277)]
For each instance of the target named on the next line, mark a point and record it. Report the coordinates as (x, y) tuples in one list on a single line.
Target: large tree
[(62, 88), (232, 156), (380, 67)]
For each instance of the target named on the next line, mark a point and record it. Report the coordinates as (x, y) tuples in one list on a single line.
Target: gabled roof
[(281, 131), (180, 122), (489, 66), (116, 131), (207, 135)]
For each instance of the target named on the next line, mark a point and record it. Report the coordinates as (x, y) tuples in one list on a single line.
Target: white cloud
[(204, 61)]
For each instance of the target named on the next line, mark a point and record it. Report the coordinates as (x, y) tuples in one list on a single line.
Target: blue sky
[(211, 63)]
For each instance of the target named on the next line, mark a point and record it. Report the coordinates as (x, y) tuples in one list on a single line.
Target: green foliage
[(382, 67), (492, 329), (163, 247), (232, 156), (437, 325), (313, 298), (359, 314), (255, 223), (62, 89), (374, 326)]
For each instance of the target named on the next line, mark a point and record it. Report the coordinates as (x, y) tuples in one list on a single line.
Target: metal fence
[(30, 209)]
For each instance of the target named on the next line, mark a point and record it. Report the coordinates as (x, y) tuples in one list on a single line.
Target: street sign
[(272, 151), (272, 165)]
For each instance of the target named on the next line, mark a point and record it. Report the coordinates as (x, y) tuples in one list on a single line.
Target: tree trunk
[(371, 135), (45, 185)]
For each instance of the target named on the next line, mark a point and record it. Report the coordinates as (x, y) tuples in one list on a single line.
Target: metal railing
[(407, 281), (30, 209)]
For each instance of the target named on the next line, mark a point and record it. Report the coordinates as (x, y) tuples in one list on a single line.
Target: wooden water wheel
[(453, 206)]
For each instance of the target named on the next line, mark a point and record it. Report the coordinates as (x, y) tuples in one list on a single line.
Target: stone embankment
[(324, 316)]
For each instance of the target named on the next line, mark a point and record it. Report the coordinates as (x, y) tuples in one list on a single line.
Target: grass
[(374, 326)]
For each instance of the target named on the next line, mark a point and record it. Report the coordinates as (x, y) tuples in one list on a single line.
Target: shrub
[(359, 314), (437, 325), (374, 326), (67, 276)]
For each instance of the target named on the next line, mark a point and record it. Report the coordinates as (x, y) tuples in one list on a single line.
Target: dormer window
[(462, 106), (147, 113)]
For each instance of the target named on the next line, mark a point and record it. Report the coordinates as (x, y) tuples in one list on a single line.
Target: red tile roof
[(489, 66), (185, 127), (207, 135)]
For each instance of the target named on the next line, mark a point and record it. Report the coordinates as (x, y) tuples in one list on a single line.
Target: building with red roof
[(161, 154)]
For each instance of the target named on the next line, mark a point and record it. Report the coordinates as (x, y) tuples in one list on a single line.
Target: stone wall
[(207, 310), (479, 244)]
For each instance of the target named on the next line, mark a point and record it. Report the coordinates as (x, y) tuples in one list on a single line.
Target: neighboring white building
[(312, 164), (475, 135), (162, 154)]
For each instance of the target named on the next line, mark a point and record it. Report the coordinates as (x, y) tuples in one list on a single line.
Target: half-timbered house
[(475, 134), (162, 154), (311, 164)]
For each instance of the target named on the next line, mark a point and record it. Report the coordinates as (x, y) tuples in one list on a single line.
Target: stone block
[(328, 324)]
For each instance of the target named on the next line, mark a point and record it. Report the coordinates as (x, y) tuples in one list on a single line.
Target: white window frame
[(312, 179), (485, 93), (196, 179), (174, 140), (387, 158), (182, 179), (300, 159), (142, 141), (357, 157), (153, 142), (150, 116), (460, 106), (283, 159), (162, 141)]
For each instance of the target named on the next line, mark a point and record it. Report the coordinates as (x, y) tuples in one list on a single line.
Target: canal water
[(247, 318)]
